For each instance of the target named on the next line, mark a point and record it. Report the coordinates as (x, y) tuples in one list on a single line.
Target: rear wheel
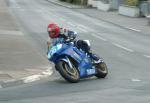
[(69, 74), (101, 69)]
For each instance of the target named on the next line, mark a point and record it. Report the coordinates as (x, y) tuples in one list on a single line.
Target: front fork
[(69, 62), (66, 59)]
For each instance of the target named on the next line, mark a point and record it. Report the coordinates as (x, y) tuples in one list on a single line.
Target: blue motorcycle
[(74, 64)]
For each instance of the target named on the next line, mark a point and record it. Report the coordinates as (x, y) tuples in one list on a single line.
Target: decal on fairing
[(90, 71), (53, 50)]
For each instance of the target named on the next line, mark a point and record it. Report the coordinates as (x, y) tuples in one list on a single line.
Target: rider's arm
[(48, 43), (67, 34), (51, 42)]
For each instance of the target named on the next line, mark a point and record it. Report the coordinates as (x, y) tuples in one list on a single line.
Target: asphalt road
[(125, 52)]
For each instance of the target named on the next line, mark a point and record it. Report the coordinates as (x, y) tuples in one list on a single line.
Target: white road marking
[(32, 78), (84, 27), (147, 56), (48, 72), (103, 25), (135, 80), (120, 46), (81, 29), (133, 29), (37, 77), (99, 37), (71, 24)]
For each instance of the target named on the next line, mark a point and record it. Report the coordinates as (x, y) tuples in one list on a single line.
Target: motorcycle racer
[(59, 35)]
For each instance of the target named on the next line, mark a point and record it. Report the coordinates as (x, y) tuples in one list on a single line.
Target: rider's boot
[(95, 58)]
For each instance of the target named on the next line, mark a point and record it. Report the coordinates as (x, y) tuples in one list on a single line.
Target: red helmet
[(53, 30)]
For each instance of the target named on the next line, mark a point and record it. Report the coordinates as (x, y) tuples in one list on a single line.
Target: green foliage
[(132, 2)]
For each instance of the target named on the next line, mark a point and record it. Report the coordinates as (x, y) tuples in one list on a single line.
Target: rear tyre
[(101, 69), (69, 74)]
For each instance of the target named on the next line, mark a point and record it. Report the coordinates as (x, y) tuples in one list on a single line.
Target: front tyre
[(101, 69), (69, 74)]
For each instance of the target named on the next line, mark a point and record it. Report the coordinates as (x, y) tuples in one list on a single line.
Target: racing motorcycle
[(74, 64)]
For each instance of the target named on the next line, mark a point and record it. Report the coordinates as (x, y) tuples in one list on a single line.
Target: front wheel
[(101, 69), (69, 74)]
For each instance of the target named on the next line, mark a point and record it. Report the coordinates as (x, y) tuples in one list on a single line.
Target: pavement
[(20, 62), (141, 24)]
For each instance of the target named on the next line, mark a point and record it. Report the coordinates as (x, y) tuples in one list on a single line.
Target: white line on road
[(135, 80), (84, 30), (99, 37), (82, 26), (37, 77), (31, 78), (147, 56), (85, 27), (120, 46), (133, 29), (71, 24)]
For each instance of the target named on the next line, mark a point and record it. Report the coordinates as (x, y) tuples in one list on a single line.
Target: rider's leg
[(81, 44)]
